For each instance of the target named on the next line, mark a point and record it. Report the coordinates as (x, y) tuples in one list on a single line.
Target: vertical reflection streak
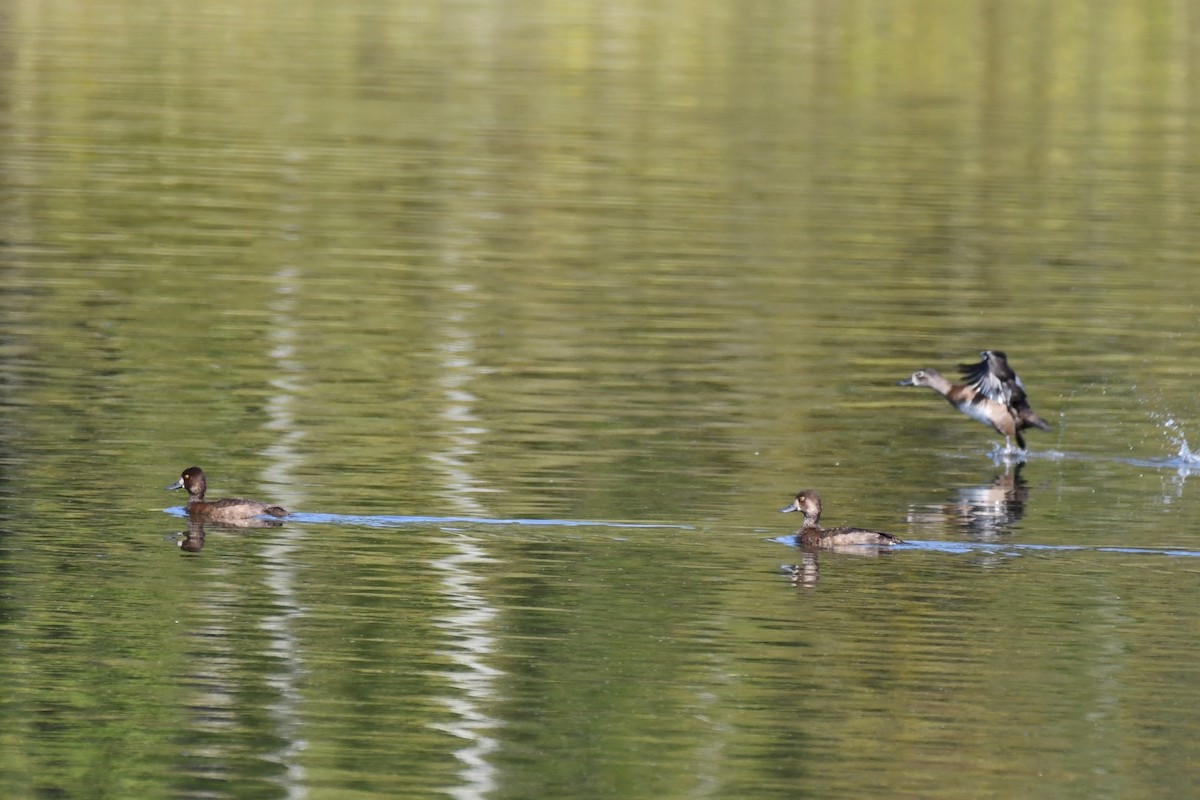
[(468, 626), (280, 578)]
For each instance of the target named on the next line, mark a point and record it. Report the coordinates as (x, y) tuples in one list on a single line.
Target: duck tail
[(1033, 420)]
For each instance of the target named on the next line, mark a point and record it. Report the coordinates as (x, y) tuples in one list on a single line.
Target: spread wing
[(992, 377), (984, 380)]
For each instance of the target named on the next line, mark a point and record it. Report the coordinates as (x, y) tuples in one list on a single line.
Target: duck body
[(991, 393), (230, 509), (811, 534)]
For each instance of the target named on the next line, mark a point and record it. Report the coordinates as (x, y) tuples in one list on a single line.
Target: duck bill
[(793, 506), (176, 485), (906, 382)]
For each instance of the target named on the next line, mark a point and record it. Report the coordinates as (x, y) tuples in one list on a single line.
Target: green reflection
[(618, 262)]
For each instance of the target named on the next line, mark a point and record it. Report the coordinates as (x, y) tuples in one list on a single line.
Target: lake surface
[(535, 315)]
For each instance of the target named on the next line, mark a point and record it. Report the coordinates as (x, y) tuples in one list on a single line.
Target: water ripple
[(392, 521), (963, 548)]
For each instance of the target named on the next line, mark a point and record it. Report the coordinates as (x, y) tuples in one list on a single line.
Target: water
[(534, 317)]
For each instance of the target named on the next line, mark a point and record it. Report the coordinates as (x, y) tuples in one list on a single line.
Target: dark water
[(535, 316)]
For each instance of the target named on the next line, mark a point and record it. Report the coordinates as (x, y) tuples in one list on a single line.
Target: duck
[(811, 534), (991, 393), (230, 510)]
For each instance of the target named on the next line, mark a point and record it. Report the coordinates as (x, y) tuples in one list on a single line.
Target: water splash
[(1184, 457), (1184, 461)]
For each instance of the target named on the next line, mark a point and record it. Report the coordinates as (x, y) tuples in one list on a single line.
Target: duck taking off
[(991, 393)]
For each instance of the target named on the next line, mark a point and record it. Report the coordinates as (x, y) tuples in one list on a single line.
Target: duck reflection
[(807, 573), (192, 540), (982, 512)]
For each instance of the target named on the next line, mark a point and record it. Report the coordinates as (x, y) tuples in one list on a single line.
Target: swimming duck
[(232, 509), (992, 394), (811, 534)]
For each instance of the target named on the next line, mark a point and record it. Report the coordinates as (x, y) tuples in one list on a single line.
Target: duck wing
[(987, 383), (1018, 401)]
